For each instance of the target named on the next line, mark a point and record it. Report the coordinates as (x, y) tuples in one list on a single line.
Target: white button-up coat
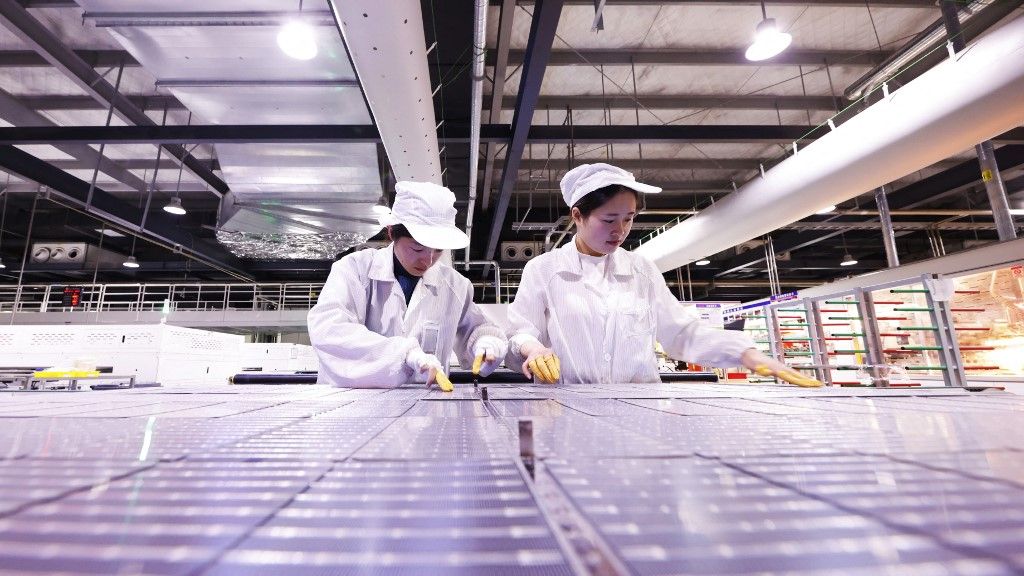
[(609, 335), (362, 329)]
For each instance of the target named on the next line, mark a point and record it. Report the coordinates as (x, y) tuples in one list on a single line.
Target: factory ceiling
[(112, 109)]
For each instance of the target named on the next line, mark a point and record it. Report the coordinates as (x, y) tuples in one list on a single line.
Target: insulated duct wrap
[(963, 101)]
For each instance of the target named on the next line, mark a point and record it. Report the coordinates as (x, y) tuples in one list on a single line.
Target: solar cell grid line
[(459, 517), (902, 496), (694, 515)]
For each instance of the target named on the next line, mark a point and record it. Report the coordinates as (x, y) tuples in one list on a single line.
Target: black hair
[(398, 231), (600, 197)]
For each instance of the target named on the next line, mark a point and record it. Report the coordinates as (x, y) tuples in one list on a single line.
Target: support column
[(994, 186), (888, 236)]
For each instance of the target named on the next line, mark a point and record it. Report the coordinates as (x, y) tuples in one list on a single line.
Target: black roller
[(689, 377), (272, 378)]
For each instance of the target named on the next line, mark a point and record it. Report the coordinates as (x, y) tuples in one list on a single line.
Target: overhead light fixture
[(109, 232), (1017, 211), (827, 209), (298, 40), (2, 265), (703, 262), (131, 262), (768, 41), (175, 207), (848, 260)]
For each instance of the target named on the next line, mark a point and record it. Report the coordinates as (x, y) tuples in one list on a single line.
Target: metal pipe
[(486, 264), (888, 236), (476, 102), (908, 131), (994, 186), (928, 40)]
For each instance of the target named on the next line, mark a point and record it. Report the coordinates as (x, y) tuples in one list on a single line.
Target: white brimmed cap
[(428, 212), (586, 178)]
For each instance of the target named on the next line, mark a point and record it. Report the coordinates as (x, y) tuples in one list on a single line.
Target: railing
[(159, 297)]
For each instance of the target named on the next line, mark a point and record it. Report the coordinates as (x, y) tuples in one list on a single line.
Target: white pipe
[(946, 110), (476, 102)]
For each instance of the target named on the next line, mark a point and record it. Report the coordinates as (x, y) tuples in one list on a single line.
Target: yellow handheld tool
[(790, 376), (476, 370), (443, 382)]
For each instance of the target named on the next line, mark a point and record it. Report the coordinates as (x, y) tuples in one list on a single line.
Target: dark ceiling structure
[(95, 138)]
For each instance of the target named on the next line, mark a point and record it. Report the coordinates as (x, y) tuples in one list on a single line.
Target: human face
[(606, 228), (415, 257)]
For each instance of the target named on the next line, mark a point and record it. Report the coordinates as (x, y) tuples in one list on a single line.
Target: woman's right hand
[(541, 362)]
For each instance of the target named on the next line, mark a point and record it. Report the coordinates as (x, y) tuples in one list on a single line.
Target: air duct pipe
[(955, 105), (476, 102)]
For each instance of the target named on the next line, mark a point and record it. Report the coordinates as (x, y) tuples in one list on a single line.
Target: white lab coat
[(607, 334), (362, 330)]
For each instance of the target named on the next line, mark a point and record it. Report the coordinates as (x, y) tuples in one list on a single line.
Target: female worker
[(390, 316), (590, 312)]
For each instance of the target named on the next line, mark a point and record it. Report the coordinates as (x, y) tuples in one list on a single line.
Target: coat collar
[(382, 267), (569, 257)]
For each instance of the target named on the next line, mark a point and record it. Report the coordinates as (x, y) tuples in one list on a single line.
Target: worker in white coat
[(591, 312), (394, 315)]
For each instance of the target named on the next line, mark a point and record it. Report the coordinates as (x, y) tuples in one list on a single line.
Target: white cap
[(428, 212), (586, 178)]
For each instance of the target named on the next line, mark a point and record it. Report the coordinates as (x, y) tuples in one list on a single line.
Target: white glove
[(421, 363), (492, 350)]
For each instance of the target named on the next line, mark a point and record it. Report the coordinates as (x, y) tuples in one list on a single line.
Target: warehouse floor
[(666, 479)]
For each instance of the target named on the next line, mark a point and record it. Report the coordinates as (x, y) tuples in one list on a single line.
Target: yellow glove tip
[(789, 376), (476, 364), (443, 382)]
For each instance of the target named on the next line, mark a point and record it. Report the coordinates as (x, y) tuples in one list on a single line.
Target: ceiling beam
[(912, 195), (663, 102), (560, 165), (29, 30), (50, 103), (676, 57), (508, 11), (358, 133), (13, 111), (163, 228), (130, 164), (534, 62), (95, 58)]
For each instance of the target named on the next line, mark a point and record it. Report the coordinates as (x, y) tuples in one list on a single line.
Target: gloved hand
[(421, 362), (764, 366), (488, 352), (541, 362)]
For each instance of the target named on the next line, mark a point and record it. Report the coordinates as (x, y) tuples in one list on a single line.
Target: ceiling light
[(847, 260), (131, 262), (768, 41), (2, 265), (175, 207), (109, 232), (1017, 211), (827, 209), (703, 262), (298, 40)]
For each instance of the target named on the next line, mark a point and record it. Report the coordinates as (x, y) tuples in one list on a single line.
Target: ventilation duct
[(948, 109)]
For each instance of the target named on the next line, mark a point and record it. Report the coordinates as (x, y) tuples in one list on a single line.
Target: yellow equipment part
[(476, 364), (65, 373)]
